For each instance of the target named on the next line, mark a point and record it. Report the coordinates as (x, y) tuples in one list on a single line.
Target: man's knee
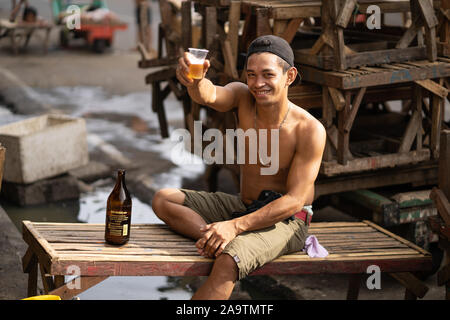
[(163, 196), (226, 266)]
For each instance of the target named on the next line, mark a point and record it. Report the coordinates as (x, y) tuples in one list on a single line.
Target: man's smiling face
[(265, 78)]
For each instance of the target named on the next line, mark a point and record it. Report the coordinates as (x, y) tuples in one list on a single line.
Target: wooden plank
[(341, 81), (262, 22), (279, 26), (374, 162), (160, 75), (433, 87), (315, 49), (159, 62), (233, 27), (442, 204), (210, 26), (390, 234), (443, 275), (345, 13), (444, 162), (291, 29), (427, 12), (436, 124), (430, 41), (410, 134), (337, 97), (354, 284), (230, 61), (419, 174), (409, 35), (337, 37), (343, 136), (417, 100), (186, 22), (355, 106), (45, 254), (411, 283)]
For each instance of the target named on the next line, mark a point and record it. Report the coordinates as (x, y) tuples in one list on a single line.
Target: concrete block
[(44, 191), (43, 147)]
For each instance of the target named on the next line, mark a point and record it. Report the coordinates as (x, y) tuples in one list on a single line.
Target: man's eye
[(250, 75)]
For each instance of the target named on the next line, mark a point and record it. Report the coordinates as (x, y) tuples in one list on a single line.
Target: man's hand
[(183, 70), (215, 238)]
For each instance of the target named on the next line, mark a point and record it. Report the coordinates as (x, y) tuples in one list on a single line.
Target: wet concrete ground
[(109, 92)]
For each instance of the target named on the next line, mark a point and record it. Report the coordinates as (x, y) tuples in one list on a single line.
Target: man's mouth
[(261, 93)]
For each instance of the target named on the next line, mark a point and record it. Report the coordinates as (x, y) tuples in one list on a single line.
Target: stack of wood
[(396, 63), (350, 76)]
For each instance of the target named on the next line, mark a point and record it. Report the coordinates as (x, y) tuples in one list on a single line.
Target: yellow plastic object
[(44, 297)]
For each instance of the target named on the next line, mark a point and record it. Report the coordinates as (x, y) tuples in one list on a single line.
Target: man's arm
[(204, 92)]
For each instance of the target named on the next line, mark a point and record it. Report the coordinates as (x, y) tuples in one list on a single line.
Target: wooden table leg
[(354, 284), (414, 287), (30, 266), (67, 291)]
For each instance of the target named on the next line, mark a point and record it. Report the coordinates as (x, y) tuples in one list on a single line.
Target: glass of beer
[(196, 59)]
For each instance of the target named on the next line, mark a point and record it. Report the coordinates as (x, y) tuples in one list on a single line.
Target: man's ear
[(291, 75)]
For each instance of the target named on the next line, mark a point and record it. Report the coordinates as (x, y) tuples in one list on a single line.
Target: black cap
[(275, 45)]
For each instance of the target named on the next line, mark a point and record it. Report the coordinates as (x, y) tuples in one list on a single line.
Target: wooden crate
[(331, 51), (393, 207), (344, 92)]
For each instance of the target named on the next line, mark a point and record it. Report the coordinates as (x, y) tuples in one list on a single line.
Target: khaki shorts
[(253, 249)]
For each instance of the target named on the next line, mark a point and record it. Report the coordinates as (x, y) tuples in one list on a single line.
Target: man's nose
[(260, 82)]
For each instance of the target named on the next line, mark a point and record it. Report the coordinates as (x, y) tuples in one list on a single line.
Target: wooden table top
[(287, 9), (153, 249)]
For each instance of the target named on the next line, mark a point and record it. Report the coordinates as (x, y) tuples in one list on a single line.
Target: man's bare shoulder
[(239, 89), (309, 132)]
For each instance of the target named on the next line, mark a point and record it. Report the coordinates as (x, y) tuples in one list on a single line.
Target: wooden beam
[(345, 13), (291, 29), (210, 26), (279, 25), (233, 27), (375, 162), (430, 40), (355, 106), (409, 35), (433, 87), (443, 275), (442, 204), (436, 124), (262, 22), (337, 97), (427, 12), (354, 283), (230, 62), (444, 163), (186, 23), (343, 136), (410, 132)]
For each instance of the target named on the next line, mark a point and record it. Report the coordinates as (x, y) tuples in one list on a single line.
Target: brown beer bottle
[(118, 212)]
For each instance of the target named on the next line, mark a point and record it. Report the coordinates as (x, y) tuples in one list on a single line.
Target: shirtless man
[(242, 244)]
